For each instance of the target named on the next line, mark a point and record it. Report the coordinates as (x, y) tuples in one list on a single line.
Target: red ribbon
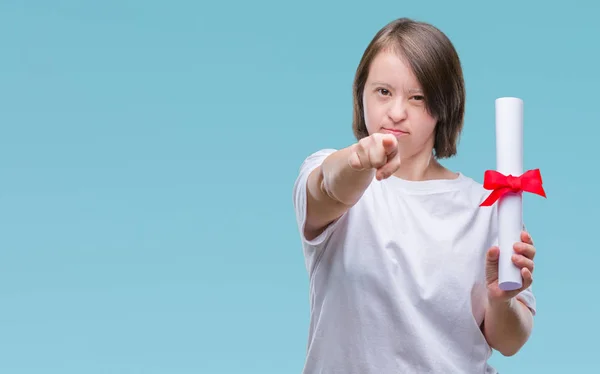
[(500, 184)]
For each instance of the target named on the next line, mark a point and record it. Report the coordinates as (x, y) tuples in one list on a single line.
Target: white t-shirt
[(397, 284)]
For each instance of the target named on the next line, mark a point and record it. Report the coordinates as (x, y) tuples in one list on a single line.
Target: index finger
[(526, 237), (390, 144)]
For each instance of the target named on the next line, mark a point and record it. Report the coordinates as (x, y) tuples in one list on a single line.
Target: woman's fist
[(377, 151)]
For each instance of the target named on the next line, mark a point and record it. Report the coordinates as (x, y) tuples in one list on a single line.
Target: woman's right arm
[(340, 181)]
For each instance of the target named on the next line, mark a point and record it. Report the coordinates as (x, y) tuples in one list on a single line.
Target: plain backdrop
[(148, 151)]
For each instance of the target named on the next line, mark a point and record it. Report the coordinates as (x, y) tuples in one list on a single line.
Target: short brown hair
[(437, 67)]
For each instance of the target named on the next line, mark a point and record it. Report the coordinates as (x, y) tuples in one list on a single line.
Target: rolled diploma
[(509, 160)]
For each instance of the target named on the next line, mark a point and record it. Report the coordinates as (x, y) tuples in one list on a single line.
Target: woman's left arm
[(508, 322)]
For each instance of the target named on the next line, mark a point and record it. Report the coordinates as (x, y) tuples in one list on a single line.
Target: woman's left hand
[(522, 258)]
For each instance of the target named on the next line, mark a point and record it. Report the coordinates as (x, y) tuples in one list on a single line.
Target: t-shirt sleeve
[(300, 196), (528, 298)]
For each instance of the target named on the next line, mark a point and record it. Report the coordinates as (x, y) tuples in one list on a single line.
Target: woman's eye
[(419, 97), (383, 91)]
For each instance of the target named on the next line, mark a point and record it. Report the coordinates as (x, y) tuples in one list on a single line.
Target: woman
[(403, 261)]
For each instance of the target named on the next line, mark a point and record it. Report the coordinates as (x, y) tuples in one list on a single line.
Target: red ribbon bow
[(530, 181)]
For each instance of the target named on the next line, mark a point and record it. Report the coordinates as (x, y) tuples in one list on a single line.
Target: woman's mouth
[(395, 132)]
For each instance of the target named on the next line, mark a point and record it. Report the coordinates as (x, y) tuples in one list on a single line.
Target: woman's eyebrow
[(381, 84)]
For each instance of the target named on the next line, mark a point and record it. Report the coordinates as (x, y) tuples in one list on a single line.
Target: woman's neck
[(421, 167)]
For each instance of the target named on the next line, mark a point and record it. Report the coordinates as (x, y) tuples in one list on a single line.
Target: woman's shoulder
[(316, 156)]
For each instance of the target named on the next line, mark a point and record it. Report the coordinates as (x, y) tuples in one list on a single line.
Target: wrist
[(501, 304), (341, 181)]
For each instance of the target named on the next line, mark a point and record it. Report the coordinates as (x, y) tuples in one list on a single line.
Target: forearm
[(340, 181), (507, 326)]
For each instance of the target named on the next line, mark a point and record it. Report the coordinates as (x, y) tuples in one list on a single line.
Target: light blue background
[(148, 151)]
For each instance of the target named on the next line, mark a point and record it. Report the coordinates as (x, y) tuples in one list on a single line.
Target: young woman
[(403, 261)]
